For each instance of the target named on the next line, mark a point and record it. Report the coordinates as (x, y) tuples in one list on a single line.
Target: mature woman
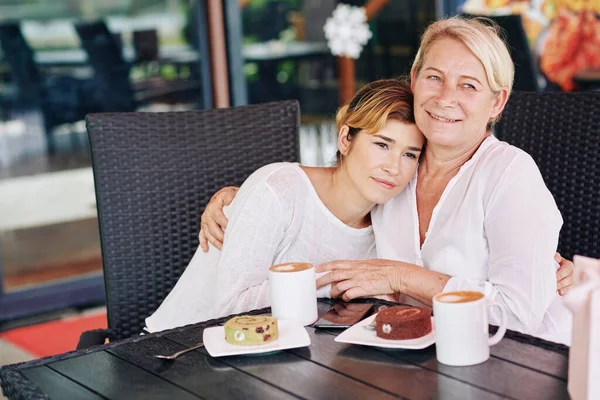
[(477, 215), (283, 210)]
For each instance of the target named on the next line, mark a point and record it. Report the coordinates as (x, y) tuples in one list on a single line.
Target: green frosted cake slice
[(250, 330)]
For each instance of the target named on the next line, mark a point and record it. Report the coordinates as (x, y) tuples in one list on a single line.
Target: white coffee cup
[(461, 327), (294, 292)]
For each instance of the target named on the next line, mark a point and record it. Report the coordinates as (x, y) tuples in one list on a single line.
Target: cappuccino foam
[(290, 267), (459, 297)]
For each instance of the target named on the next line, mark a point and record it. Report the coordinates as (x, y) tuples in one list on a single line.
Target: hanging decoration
[(347, 32)]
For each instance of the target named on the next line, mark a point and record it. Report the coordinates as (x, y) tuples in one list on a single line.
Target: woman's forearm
[(420, 283), (351, 279)]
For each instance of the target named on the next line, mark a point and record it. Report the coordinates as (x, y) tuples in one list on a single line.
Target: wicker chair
[(154, 173), (561, 131)]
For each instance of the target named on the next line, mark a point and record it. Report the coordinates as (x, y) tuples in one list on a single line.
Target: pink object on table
[(584, 355)]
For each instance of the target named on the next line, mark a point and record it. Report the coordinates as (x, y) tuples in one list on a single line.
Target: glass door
[(50, 78)]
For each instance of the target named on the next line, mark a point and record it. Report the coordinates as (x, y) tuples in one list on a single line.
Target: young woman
[(285, 212)]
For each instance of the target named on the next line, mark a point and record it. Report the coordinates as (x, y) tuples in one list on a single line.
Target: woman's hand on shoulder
[(564, 275), (213, 220)]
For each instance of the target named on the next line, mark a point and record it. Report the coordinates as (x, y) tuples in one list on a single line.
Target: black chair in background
[(147, 57), (112, 74), (154, 173), (111, 71), (61, 99), (266, 21), (561, 131), (8, 93), (527, 73), (145, 43)]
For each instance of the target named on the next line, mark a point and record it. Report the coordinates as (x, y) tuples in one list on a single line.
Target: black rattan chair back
[(154, 173), (561, 131)]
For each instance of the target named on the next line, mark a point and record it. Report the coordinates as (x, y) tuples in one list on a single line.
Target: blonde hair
[(374, 104), (482, 37)]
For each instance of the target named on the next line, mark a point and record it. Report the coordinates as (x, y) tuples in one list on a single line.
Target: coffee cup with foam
[(461, 325), (294, 292)]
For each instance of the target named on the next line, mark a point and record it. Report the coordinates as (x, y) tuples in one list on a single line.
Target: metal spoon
[(175, 355)]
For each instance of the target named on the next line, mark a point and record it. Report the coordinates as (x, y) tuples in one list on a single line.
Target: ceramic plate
[(358, 334), (291, 335)]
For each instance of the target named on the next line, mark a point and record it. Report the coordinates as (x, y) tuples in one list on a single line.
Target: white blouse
[(276, 217), (494, 230)]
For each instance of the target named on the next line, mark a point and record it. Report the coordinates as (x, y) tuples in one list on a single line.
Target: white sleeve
[(522, 225), (253, 235)]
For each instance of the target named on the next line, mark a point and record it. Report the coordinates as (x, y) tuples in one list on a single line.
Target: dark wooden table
[(521, 367)]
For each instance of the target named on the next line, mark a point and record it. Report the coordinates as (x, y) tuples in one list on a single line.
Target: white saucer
[(358, 334), (291, 335)]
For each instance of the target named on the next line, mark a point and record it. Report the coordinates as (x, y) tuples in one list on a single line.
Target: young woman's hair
[(374, 104), (483, 37)]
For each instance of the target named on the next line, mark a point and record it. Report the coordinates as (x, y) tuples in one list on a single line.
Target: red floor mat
[(54, 337)]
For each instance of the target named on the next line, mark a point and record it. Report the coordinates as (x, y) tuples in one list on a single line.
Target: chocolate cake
[(403, 322), (250, 330)]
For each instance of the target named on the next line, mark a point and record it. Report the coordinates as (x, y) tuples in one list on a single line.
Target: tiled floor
[(47, 198), (42, 163), (10, 354), (48, 227)]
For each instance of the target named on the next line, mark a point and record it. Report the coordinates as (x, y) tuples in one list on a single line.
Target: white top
[(494, 230), (276, 217)]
